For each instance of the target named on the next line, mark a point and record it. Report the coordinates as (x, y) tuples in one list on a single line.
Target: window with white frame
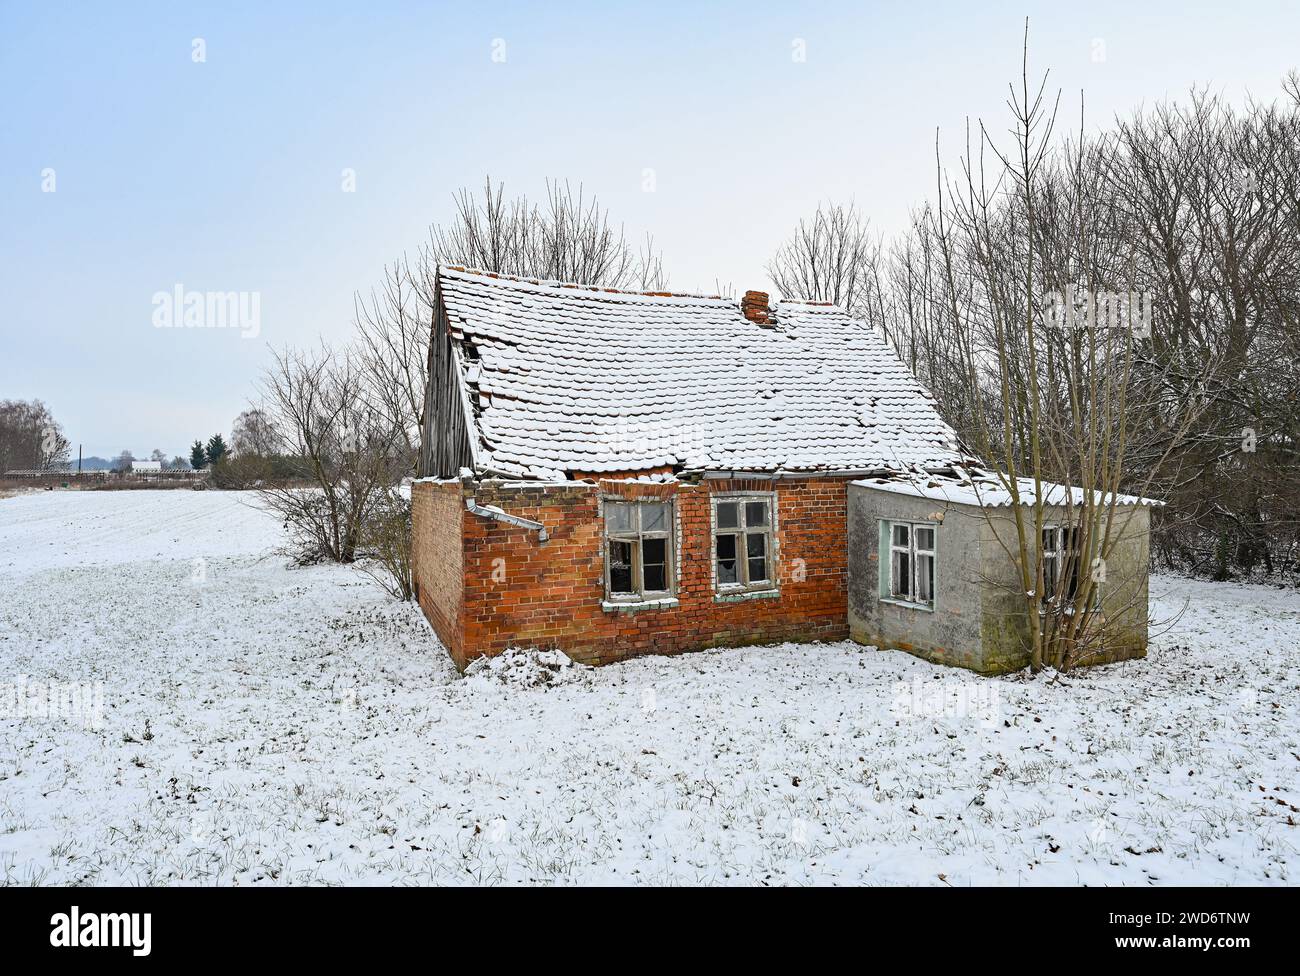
[(911, 562), (742, 542), (638, 550), (1061, 561)]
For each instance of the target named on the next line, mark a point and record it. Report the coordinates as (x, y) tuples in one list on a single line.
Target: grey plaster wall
[(950, 633), (978, 620), (1005, 632)]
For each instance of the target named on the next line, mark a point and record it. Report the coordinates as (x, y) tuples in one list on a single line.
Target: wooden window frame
[(742, 531), (914, 554), (635, 537), (1055, 555)]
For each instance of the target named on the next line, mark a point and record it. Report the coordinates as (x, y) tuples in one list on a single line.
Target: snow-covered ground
[(268, 725)]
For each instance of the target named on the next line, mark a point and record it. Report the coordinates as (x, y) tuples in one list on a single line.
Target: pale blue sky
[(226, 175)]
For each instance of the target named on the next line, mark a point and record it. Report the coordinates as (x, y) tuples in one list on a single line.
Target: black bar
[(943, 925)]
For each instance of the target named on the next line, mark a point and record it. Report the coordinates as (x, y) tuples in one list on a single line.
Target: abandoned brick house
[(614, 473)]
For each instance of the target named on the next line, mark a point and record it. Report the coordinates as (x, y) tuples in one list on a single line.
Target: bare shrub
[(344, 455), (386, 541)]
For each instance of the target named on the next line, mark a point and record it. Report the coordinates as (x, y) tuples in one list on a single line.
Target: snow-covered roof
[(975, 486), (146, 465), (565, 378)]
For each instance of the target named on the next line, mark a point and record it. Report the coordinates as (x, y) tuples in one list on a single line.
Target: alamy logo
[(949, 700), (181, 309), (72, 701), (72, 930), (1079, 309), (657, 439)]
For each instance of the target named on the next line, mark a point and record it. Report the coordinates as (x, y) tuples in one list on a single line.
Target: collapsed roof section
[(567, 379)]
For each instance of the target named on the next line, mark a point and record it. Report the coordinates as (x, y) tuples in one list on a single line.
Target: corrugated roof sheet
[(986, 488), (568, 378)]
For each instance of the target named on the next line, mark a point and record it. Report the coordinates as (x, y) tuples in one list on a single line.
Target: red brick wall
[(519, 592), (437, 560)]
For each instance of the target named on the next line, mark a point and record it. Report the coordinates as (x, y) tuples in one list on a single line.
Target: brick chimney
[(754, 307)]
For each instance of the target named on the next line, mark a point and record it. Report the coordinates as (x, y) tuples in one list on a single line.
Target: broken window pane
[(654, 562), (1059, 558), (728, 516), (755, 514), (620, 567), (1072, 568), (726, 547), (654, 571), (901, 576)]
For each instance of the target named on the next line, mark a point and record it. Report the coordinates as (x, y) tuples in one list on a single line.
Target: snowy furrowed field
[(244, 722)]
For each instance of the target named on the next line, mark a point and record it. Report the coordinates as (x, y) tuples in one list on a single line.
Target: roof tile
[(578, 378)]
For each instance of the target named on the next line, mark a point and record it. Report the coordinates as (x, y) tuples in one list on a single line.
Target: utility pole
[(78, 459)]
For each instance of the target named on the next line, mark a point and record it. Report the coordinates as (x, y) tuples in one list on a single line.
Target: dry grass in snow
[(268, 725)]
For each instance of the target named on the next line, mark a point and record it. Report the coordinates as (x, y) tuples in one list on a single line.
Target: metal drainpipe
[(473, 508)]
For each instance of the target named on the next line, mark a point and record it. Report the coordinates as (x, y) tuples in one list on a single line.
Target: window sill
[(738, 596), (635, 606), (907, 604)]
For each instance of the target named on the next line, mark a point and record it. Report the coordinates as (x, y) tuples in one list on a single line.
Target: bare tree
[(831, 257), (567, 238), (345, 458), (252, 434), (1019, 296), (394, 327), (1214, 225), (1195, 208), (30, 438)]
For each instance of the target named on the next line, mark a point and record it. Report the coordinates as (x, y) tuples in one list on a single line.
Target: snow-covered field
[(268, 725)]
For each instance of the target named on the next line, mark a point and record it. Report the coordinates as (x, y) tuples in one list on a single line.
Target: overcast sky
[(130, 166)]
